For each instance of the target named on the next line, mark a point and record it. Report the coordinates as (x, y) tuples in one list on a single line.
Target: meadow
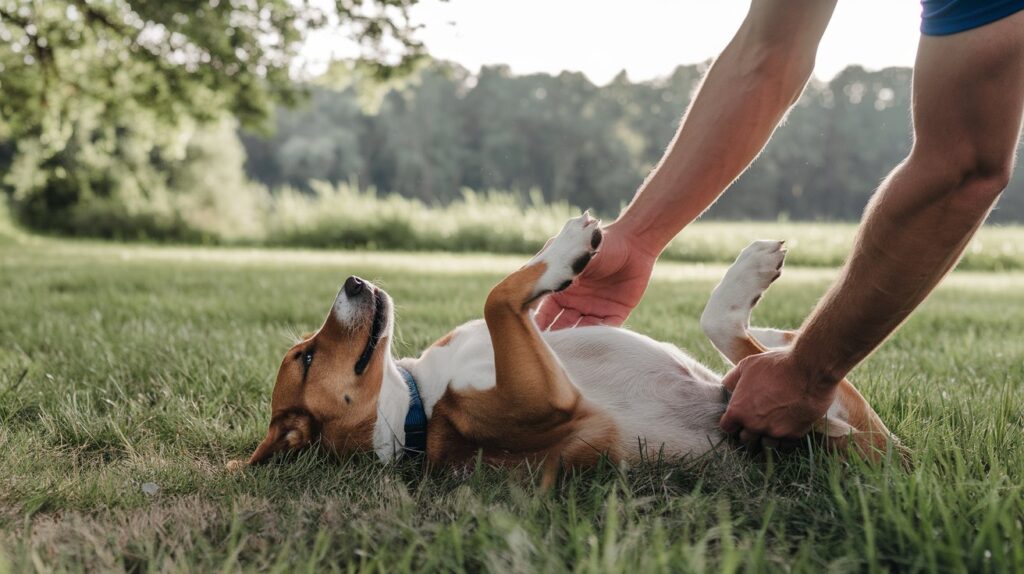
[(343, 217), (130, 374), (340, 216)]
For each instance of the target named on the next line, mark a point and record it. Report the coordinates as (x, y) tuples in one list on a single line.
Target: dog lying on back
[(503, 390)]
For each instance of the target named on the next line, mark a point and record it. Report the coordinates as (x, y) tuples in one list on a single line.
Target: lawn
[(122, 366)]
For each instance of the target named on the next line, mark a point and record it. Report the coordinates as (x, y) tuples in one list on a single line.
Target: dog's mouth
[(380, 320)]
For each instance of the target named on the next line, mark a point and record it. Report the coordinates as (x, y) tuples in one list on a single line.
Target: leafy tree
[(444, 128), (101, 94)]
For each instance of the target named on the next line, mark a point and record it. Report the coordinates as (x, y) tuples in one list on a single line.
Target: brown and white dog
[(503, 390)]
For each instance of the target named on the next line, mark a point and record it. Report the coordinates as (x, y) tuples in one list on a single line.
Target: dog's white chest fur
[(662, 400)]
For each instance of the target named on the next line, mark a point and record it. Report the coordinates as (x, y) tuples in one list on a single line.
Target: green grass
[(122, 365), (499, 222), (342, 217)]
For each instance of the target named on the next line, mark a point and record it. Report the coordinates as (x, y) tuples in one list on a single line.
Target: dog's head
[(328, 385)]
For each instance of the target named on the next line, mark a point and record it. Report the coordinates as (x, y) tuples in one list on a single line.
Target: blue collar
[(416, 419)]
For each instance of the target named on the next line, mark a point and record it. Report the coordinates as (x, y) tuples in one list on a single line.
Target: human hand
[(607, 290), (774, 399)]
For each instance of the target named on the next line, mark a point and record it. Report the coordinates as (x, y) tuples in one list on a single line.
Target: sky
[(646, 38)]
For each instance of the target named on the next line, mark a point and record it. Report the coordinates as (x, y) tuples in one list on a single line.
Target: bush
[(342, 216), (9, 232), (124, 186)]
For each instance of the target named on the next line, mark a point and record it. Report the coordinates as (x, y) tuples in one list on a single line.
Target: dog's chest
[(656, 394)]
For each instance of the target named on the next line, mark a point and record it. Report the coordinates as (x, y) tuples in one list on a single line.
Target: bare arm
[(744, 96), (968, 102), (750, 87)]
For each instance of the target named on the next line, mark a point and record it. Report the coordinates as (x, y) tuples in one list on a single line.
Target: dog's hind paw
[(567, 254), (758, 266), (727, 313), (755, 269)]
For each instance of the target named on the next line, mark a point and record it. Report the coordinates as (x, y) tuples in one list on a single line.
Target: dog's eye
[(307, 359)]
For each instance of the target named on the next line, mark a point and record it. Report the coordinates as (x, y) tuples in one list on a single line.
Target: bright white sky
[(647, 38)]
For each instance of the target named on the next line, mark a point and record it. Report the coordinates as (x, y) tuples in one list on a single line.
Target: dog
[(502, 390)]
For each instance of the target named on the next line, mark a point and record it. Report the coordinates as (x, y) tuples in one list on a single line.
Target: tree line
[(445, 129), (176, 120)]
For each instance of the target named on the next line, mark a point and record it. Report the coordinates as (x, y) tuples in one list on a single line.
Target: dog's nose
[(354, 286)]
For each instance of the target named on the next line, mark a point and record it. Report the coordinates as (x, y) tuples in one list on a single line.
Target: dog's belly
[(662, 401)]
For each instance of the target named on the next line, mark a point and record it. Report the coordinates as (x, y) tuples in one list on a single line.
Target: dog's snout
[(354, 286)]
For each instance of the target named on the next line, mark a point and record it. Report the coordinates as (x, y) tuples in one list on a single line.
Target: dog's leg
[(772, 338), (726, 321), (526, 367), (537, 402), (726, 317)]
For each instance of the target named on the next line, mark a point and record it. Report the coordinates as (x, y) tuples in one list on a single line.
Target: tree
[(176, 58), (442, 129), (88, 78)]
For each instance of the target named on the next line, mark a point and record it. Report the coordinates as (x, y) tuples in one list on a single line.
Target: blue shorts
[(943, 17)]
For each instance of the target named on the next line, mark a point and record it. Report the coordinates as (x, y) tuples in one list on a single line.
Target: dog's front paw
[(567, 254)]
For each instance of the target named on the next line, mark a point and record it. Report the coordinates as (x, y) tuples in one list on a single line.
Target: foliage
[(101, 97), (173, 59), (122, 365), (189, 190), (446, 129), (340, 217), (343, 217), (9, 232)]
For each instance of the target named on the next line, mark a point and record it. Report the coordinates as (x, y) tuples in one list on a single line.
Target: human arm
[(968, 100), (743, 97)]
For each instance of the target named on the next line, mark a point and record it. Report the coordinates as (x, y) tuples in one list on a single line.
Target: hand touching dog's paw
[(568, 253)]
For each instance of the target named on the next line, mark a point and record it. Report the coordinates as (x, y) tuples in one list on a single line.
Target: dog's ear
[(290, 433), (271, 445)]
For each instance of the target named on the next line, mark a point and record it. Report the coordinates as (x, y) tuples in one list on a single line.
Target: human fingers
[(568, 318), (729, 423), (732, 378), (547, 312), (589, 320)]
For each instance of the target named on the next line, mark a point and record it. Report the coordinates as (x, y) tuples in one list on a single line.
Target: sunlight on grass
[(83, 253), (126, 366)]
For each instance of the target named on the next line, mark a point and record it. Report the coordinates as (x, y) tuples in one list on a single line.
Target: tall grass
[(500, 222), (344, 217)]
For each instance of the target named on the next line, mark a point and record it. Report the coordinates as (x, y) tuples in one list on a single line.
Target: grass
[(500, 222), (125, 365), (342, 217)]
